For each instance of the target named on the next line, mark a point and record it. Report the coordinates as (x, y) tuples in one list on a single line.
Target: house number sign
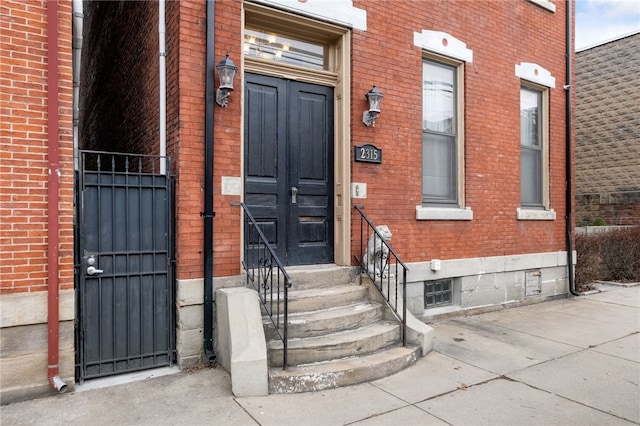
[(368, 153)]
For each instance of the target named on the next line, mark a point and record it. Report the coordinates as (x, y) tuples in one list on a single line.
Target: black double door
[(288, 169)]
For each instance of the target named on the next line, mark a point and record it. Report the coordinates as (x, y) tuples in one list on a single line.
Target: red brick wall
[(186, 22), (501, 35), (23, 146)]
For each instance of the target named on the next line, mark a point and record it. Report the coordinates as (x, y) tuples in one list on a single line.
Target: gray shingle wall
[(607, 169)]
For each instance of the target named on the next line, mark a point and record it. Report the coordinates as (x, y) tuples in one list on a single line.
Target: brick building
[(466, 162), (608, 133), (36, 196)]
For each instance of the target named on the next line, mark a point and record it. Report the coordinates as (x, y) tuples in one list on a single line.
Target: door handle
[(92, 270), (294, 195)]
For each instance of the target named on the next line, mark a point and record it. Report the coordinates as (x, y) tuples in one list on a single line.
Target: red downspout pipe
[(52, 198)]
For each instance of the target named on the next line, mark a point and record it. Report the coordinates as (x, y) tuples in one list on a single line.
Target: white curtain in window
[(438, 100), (439, 164), (529, 117)]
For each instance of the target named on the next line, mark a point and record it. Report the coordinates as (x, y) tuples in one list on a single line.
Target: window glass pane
[(283, 49), (531, 148), (531, 177), (438, 293), (439, 151), (438, 168), (438, 97), (530, 117)]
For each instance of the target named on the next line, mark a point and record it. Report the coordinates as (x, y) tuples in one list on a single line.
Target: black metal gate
[(124, 274)]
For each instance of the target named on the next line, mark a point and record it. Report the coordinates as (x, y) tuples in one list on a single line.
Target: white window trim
[(443, 44), (535, 74), (546, 4), (432, 42), (532, 214), (443, 213), (547, 213), (339, 12)]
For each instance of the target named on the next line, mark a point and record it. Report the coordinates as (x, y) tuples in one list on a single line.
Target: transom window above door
[(284, 49)]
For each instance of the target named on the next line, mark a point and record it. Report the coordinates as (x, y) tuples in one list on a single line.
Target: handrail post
[(260, 255), (404, 307), (385, 270)]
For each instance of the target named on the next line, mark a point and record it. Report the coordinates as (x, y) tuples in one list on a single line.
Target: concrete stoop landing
[(338, 334)]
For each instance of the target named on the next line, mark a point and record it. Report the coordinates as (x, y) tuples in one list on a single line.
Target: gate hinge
[(203, 214)]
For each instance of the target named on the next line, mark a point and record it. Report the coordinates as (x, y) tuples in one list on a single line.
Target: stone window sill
[(443, 213), (530, 214), (546, 4)]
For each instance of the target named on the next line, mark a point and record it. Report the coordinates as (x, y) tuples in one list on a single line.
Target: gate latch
[(91, 269)]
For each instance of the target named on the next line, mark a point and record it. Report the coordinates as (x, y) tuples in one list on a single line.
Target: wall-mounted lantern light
[(375, 97), (227, 73)]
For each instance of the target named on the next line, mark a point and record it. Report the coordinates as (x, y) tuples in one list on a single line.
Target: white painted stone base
[(190, 317), (24, 347), (242, 348), (489, 281)]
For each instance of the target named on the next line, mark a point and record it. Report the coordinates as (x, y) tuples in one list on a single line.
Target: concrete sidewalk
[(571, 361)]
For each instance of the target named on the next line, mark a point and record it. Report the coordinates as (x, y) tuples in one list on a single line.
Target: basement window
[(438, 293)]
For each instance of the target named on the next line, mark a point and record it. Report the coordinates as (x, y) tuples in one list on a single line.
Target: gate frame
[(79, 366)]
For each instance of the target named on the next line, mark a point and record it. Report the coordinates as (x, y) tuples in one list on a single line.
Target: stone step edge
[(318, 312), (309, 292), (304, 300), (341, 318), (352, 335), (342, 372)]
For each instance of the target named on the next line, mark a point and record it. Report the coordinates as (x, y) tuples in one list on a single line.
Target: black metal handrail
[(383, 266), (266, 274)]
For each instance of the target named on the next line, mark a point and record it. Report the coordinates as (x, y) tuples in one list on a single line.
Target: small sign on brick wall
[(368, 153)]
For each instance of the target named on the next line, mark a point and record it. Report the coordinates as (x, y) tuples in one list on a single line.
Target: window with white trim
[(531, 148), (444, 57), (440, 134), (535, 84)]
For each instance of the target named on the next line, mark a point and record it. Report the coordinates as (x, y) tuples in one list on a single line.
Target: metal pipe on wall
[(53, 155), (78, 17), (568, 165), (163, 82), (208, 212)]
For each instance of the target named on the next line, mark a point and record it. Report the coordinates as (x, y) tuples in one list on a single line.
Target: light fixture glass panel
[(279, 48)]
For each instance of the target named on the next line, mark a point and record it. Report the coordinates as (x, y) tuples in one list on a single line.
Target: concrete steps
[(337, 335)]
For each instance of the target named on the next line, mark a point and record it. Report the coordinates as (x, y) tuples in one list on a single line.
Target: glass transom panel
[(279, 48)]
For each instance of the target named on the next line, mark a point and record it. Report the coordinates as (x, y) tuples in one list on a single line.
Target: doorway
[(288, 164)]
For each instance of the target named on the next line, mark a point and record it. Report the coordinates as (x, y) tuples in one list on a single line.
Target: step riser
[(348, 375), (334, 350), (320, 276), (301, 326), (357, 294)]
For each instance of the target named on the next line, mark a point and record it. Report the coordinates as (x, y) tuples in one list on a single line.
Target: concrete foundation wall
[(190, 317), (23, 345), (491, 281)]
